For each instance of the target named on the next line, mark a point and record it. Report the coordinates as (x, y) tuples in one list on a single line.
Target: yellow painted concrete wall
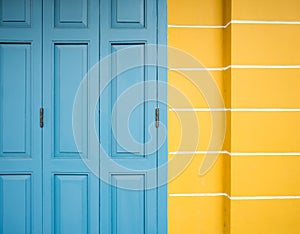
[(252, 51)]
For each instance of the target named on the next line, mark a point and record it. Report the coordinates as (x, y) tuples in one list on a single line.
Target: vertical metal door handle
[(157, 117), (41, 117)]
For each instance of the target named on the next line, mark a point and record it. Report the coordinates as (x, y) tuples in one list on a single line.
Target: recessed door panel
[(70, 66), (15, 203), (15, 79), (15, 13), (128, 131), (73, 14), (128, 14), (70, 203), (130, 201)]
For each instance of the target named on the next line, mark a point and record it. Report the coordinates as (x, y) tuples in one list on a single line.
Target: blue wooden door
[(128, 102), (20, 101), (46, 182), (70, 49)]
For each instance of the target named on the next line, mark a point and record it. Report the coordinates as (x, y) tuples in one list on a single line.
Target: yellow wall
[(254, 186)]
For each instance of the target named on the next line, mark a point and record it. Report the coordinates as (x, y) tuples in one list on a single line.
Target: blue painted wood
[(71, 212), (120, 146), (130, 205), (123, 31), (70, 189), (16, 198), (71, 14), (70, 66), (15, 69), (128, 14), (15, 13), (20, 100)]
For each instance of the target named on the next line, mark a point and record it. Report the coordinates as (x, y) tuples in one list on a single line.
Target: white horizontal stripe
[(268, 22), (198, 195), (264, 22), (235, 109), (196, 109), (233, 197), (235, 67), (266, 66), (264, 109), (194, 26), (264, 197), (264, 153), (252, 154), (198, 152), (198, 69)]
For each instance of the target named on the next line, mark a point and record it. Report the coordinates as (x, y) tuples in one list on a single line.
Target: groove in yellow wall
[(227, 76), (227, 46), (227, 11)]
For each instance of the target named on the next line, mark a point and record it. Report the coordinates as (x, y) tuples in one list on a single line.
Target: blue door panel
[(71, 203), (122, 81), (15, 13), (128, 194), (15, 204), (15, 79), (20, 101), (70, 49), (128, 14), (71, 14), (128, 214), (70, 66)]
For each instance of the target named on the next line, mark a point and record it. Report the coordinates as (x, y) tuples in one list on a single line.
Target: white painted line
[(194, 26), (264, 109), (264, 22), (233, 66), (198, 69), (198, 195), (236, 154), (226, 25), (266, 66), (235, 109), (253, 154), (196, 109), (236, 198), (267, 22), (197, 152)]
